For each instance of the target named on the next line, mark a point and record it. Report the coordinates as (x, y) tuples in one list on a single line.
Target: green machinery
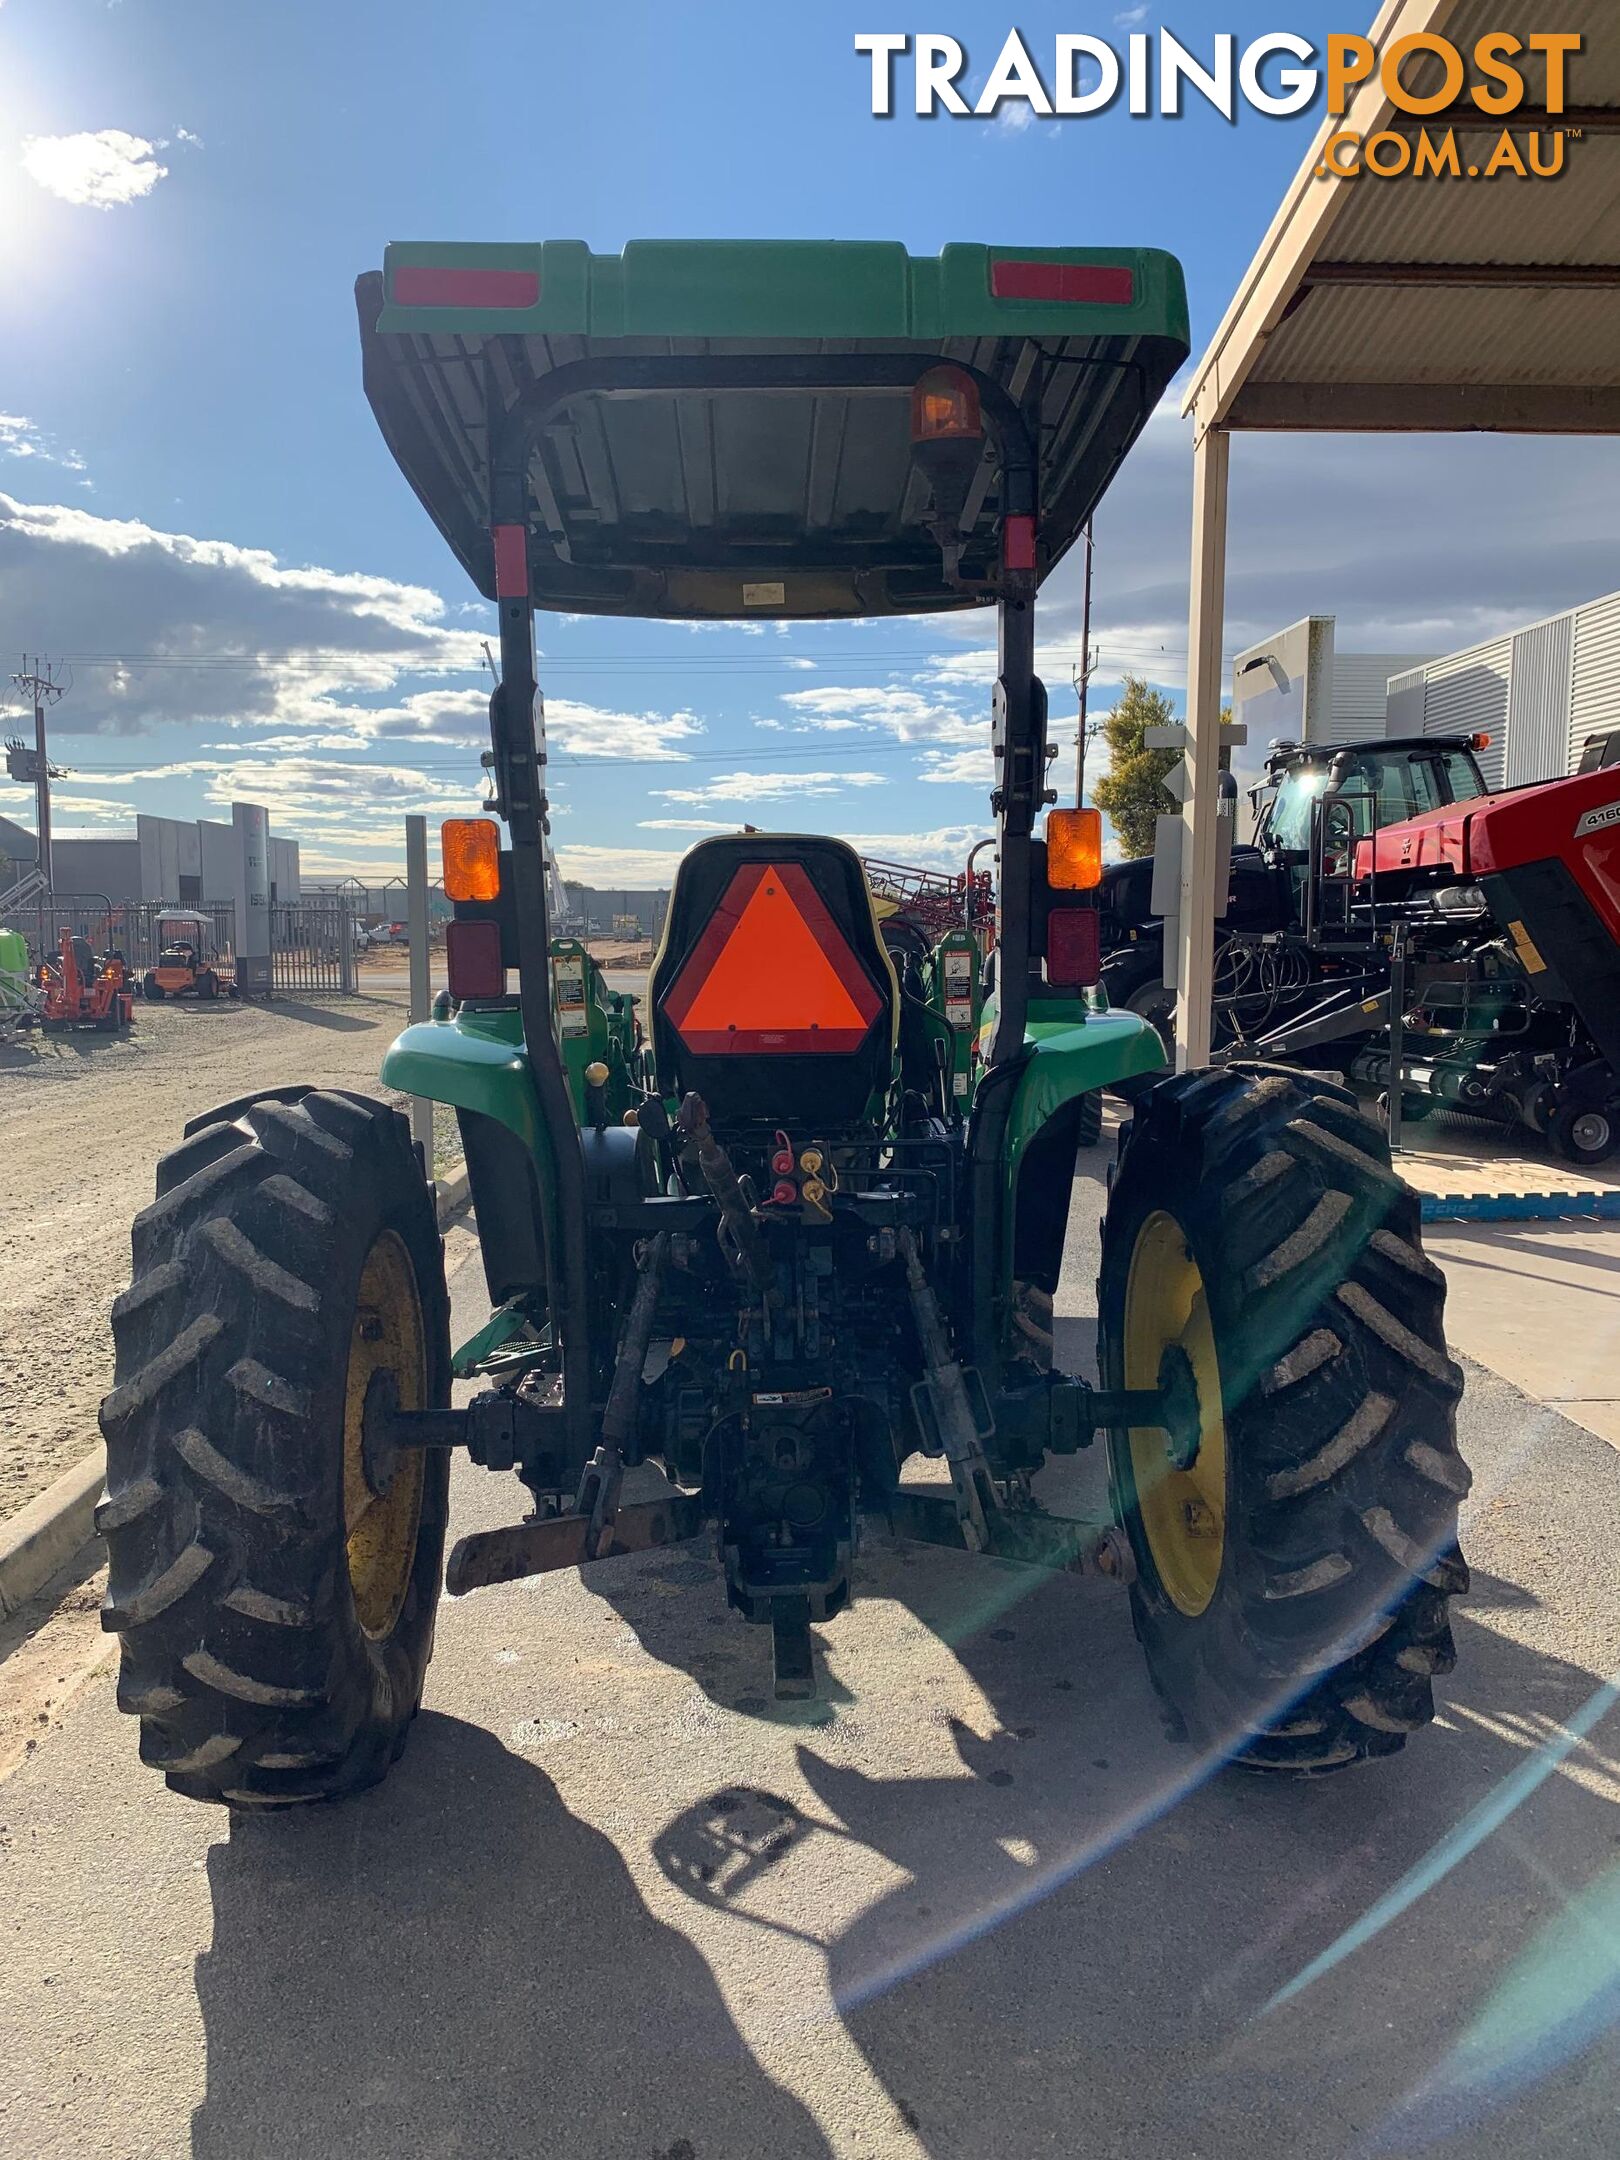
[(798, 1217)]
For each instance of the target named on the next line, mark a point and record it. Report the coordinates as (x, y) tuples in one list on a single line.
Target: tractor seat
[(772, 994)]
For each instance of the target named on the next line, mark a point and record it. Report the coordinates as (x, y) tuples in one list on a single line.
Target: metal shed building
[(1541, 693), (1406, 305)]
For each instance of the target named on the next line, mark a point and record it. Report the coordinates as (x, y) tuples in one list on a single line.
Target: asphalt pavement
[(614, 1902)]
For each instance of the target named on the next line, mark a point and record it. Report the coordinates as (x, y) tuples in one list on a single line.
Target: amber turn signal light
[(471, 849), (1073, 850), (945, 407)]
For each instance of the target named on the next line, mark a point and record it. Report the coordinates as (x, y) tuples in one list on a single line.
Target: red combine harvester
[(82, 991), (1501, 917)]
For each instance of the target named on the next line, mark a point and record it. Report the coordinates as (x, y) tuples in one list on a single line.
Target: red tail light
[(472, 953), (1073, 947)]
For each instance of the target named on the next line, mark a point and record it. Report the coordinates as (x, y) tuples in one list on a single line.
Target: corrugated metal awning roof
[(1432, 302)]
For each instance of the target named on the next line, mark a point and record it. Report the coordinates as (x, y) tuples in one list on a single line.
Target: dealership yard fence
[(312, 942)]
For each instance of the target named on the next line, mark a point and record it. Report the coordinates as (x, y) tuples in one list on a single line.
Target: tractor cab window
[(1392, 787), (1288, 825)]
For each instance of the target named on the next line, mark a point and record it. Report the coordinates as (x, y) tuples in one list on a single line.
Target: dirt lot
[(83, 1120)]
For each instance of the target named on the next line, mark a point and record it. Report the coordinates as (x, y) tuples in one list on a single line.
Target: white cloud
[(960, 768), (945, 847), (686, 824), (908, 715), (99, 171), (20, 438), (237, 641), (70, 811), (742, 787), (638, 869), (581, 730)]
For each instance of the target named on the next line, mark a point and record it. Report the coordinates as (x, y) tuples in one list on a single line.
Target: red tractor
[(1494, 929)]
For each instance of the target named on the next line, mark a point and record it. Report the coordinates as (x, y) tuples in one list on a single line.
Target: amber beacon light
[(471, 849), (1073, 850)]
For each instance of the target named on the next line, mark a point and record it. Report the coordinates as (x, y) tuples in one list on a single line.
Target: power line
[(746, 756)]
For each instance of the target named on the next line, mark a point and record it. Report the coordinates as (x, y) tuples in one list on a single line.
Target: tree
[(1132, 791)]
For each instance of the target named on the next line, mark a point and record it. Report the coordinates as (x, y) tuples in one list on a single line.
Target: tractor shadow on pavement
[(1094, 1942), (456, 1964)]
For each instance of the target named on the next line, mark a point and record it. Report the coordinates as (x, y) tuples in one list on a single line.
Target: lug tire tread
[(1343, 1471), (228, 1584)]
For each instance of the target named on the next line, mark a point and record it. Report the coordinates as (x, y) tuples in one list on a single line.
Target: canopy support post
[(1195, 957), (517, 737)]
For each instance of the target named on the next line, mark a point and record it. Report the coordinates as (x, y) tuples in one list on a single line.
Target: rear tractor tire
[(275, 1606), (1293, 1575)]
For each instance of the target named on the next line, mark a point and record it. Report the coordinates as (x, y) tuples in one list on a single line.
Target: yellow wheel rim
[(1183, 1512), (386, 1337)]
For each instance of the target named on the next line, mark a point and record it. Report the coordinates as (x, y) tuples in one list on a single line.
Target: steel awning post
[(1195, 958)]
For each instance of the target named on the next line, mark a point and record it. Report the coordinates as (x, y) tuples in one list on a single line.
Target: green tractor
[(776, 1234)]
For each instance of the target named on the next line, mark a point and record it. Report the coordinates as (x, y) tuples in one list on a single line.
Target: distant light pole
[(1081, 679)]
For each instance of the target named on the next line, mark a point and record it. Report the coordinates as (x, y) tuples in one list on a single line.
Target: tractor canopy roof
[(687, 454)]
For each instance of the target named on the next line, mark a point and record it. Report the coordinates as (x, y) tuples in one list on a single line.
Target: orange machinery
[(82, 991)]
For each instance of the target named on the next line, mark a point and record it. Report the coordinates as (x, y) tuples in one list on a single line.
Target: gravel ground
[(83, 1120)]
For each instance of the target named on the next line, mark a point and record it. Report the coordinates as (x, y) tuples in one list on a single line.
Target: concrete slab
[(1539, 1303), (613, 1904), (1465, 1155)]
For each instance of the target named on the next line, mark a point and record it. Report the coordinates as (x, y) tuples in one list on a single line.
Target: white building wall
[(1541, 694), (217, 852), (1361, 693), (170, 850), (284, 870), (1594, 707), (1467, 694)]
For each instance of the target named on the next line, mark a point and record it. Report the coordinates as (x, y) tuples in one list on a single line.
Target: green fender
[(475, 1061), (1073, 1049)]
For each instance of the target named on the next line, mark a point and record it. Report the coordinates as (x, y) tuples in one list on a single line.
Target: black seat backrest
[(772, 995)]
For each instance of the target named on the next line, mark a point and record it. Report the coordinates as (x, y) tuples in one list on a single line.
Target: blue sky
[(188, 468)]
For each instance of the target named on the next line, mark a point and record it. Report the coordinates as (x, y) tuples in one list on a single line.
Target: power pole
[(35, 765)]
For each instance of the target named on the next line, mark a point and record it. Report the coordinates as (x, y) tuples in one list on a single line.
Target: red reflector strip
[(472, 959), (1073, 947), (1018, 543), (1096, 284), (452, 285), (511, 562)]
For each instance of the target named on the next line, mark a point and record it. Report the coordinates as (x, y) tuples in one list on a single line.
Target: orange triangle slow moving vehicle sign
[(772, 973)]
